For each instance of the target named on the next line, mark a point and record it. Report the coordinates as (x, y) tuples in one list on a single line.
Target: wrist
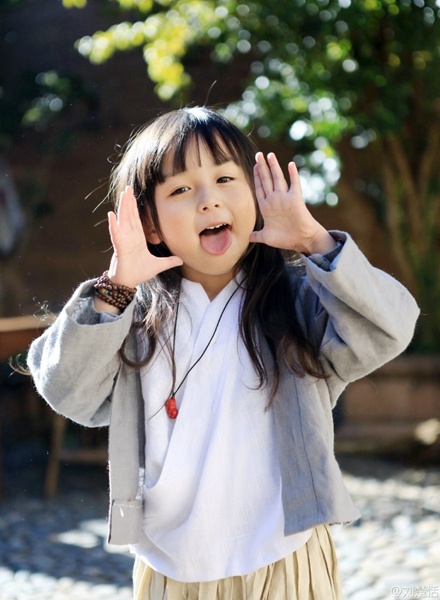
[(319, 243), (121, 280), (101, 306), (120, 274), (116, 295)]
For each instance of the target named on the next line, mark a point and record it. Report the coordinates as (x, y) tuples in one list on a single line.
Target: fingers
[(125, 226), (263, 178), (259, 190), (128, 213), (112, 227), (279, 181), (269, 176), (295, 184)]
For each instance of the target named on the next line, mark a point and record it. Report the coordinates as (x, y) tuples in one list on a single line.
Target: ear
[(150, 232)]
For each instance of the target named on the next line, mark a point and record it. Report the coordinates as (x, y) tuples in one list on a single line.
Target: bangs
[(220, 149), (189, 128)]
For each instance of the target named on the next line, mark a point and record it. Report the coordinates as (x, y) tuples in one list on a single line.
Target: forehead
[(195, 149), (196, 153)]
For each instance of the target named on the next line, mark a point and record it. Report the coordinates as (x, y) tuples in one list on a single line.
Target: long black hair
[(267, 311)]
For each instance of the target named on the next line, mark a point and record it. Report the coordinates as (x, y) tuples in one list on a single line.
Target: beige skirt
[(310, 573)]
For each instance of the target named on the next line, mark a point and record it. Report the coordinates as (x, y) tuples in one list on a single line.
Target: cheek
[(168, 217), (174, 228)]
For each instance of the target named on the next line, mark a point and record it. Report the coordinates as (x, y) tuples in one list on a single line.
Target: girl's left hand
[(288, 224)]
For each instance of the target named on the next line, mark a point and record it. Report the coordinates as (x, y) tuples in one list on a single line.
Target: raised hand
[(288, 224), (132, 262)]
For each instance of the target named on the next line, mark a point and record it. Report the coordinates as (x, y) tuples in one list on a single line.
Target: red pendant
[(171, 408)]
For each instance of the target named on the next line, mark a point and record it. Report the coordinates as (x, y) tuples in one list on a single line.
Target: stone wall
[(395, 409)]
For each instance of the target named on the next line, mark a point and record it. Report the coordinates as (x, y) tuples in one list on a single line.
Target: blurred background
[(348, 89)]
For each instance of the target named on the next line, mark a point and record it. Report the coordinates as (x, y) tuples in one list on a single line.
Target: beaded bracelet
[(112, 293)]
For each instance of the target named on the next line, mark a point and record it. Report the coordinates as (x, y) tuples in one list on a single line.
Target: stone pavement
[(56, 550), (394, 551)]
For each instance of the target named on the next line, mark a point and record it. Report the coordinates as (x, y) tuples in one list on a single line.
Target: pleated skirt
[(310, 573)]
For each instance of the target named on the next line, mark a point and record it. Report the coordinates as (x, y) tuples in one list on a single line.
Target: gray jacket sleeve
[(357, 316), (75, 362)]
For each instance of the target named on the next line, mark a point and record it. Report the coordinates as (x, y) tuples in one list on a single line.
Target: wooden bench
[(16, 334)]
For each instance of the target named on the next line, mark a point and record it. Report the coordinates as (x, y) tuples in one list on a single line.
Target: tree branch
[(429, 158), (394, 225), (412, 198)]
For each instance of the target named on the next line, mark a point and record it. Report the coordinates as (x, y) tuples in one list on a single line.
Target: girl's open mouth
[(216, 239)]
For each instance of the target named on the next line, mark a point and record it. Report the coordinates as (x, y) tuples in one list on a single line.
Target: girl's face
[(206, 214)]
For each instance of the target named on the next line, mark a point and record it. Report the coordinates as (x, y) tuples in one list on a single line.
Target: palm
[(132, 262), (288, 224)]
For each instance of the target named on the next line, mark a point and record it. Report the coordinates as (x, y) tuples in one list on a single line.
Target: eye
[(224, 179), (179, 191)]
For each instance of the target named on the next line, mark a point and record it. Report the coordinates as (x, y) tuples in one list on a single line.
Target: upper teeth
[(216, 226)]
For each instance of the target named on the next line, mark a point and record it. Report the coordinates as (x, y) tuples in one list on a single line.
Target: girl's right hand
[(132, 262)]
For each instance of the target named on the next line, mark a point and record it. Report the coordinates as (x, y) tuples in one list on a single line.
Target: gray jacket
[(359, 318)]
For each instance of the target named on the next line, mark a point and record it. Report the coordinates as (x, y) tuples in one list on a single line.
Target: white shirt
[(212, 491)]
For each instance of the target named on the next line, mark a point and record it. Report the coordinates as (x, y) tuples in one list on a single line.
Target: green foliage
[(74, 3), (52, 94), (165, 37), (362, 52), (37, 101), (336, 66), (321, 72)]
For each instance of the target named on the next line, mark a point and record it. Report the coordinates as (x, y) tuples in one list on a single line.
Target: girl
[(217, 364)]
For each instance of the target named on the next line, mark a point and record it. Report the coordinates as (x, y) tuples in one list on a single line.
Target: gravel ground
[(56, 549)]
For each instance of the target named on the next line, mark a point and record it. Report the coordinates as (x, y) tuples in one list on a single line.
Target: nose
[(208, 200)]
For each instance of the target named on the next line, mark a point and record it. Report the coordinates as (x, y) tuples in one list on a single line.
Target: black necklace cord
[(207, 345), (170, 404)]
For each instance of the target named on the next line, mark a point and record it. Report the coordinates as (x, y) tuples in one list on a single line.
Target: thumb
[(257, 237), (169, 262)]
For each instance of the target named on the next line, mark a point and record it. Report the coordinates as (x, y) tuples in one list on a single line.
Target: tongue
[(216, 243)]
